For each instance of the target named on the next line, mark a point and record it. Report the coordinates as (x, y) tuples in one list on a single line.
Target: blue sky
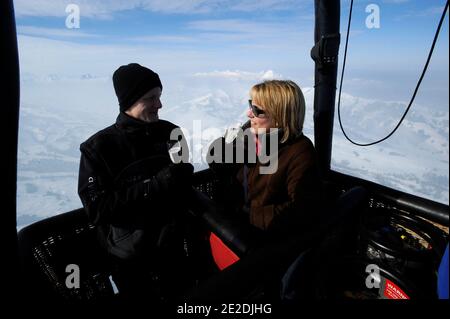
[(163, 23), (386, 62), (124, 20), (405, 26), (245, 34)]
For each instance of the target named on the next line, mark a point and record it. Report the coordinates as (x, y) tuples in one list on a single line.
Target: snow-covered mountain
[(414, 160)]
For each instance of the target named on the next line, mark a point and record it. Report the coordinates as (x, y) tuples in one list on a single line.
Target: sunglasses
[(256, 110)]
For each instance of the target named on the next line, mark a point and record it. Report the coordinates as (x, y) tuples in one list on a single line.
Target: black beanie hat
[(131, 82)]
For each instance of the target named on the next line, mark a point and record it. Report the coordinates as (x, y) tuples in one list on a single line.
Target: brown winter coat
[(287, 201)]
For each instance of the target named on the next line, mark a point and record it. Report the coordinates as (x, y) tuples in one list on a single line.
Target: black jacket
[(117, 185)]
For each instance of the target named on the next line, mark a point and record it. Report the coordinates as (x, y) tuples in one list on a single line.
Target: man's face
[(147, 107)]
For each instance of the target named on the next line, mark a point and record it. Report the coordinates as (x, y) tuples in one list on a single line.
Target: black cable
[(415, 91)]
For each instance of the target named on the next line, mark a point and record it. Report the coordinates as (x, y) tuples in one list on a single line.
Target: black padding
[(337, 237), (239, 237), (47, 247), (9, 92), (258, 275)]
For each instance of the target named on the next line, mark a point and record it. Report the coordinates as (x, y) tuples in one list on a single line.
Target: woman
[(285, 201), (278, 208)]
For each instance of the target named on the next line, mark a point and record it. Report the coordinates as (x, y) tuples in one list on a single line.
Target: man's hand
[(175, 177)]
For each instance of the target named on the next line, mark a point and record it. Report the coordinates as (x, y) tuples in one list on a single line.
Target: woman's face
[(259, 124)]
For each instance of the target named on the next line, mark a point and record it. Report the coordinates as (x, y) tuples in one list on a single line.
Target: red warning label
[(392, 291)]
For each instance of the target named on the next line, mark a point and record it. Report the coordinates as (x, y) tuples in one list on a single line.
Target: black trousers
[(168, 271), (257, 276)]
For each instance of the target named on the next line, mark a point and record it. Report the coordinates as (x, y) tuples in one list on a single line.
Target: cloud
[(166, 39), (395, 1), (181, 6), (66, 58), (254, 5), (432, 11), (238, 26), (53, 32), (240, 75), (57, 8), (104, 9), (252, 34)]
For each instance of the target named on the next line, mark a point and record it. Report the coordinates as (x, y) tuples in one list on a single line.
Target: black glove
[(175, 178)]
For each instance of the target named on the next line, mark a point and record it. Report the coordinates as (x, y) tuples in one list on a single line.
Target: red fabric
[(258, 146), (223, 256)]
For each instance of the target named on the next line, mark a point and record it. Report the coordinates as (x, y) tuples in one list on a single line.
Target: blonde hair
[(284, 102)]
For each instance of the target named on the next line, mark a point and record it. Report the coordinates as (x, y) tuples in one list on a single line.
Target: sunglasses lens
[(256, 111)]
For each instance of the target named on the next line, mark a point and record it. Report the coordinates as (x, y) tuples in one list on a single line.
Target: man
[(131, 190)]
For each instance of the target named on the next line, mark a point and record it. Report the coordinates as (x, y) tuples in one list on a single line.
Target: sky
[(208, 54), (179, 38)]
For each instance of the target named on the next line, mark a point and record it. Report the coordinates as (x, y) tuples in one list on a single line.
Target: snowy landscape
[(208, 55), (50, 136)]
